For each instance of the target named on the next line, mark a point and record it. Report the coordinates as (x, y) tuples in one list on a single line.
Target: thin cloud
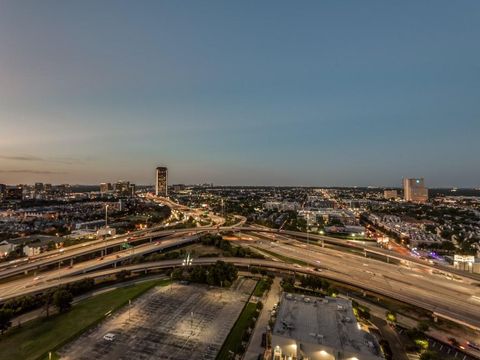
[(21, 158), (35, 172), (59, 160)]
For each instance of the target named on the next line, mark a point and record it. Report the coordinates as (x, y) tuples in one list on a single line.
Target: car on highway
[(473, 345), (109, 337)]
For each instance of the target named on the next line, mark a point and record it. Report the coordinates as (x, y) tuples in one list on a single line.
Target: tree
[(62, 299), (6, 316), (48, 299), (177, 274), (429, 355), (423, 326), (122, 275), (391, 316)]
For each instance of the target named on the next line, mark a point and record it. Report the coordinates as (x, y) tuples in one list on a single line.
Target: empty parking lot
[(181, 322)]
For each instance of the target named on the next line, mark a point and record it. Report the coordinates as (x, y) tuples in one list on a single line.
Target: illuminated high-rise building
[(3, 190), (122, 188), (105, 187), (161, 181), (414, 190)]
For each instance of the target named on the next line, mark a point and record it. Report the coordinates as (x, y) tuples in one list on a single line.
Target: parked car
[(109, 337)]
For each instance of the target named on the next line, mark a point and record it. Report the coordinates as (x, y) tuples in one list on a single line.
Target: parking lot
[(181, 322)]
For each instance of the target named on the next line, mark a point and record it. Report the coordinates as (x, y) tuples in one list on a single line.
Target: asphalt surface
[(181, 322)]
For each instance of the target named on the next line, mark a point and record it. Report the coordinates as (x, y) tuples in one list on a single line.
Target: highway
[(456, 308), (365, 248), (68, 254), (430, 288), (419, 284), (25, 284)]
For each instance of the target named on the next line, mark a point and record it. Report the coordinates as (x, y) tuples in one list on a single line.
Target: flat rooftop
[(326, 322)]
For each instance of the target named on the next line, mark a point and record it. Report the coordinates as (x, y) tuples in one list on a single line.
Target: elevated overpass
[(451, 309), (68, 254)]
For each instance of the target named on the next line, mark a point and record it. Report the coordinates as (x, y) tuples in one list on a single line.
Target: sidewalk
[(255, 347)]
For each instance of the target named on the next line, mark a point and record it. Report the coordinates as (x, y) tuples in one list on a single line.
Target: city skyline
[(321, 94)]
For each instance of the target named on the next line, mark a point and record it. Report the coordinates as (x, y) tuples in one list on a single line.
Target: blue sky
[(247, 92)]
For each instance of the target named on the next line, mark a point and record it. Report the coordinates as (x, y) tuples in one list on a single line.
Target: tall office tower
[(132, 189), (161, 182), (105, 187), (3, 190), (414, 190), (39, 187), (122, 188)]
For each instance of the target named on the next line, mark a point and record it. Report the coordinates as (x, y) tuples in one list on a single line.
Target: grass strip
[(234, 338), (34, 339), (286, 258)]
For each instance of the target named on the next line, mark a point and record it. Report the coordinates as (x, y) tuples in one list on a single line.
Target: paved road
[(447, 299), (392, 337), (255, 347), (457, 297), (159, 326)]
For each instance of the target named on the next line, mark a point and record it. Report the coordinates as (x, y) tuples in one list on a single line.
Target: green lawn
[(260, 288), (34, 339), (285, 258), (234, 338)]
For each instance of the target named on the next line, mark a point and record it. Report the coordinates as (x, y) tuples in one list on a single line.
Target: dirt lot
[(180, 322)]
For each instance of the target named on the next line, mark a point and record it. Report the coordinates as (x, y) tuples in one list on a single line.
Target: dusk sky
[(240, 92)]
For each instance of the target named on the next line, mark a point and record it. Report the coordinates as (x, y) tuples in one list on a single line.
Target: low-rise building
[(320, 329), (390, 194), (36, 244)]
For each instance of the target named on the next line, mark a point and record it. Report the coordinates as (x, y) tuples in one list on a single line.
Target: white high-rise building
[(414, 190)]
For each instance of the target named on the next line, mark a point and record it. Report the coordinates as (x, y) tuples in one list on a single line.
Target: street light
[(106, 215), (308, 234), (187, 261)]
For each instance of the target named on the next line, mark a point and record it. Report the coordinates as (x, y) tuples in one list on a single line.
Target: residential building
[(6, 248), (14, 193), (390, 194)]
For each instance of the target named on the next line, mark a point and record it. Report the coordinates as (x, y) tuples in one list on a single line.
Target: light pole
[(308, 234), (106, 215), (187, 261), (191, 322), (106, 225)]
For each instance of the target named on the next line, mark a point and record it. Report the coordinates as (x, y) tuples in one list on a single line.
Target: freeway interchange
[(444, 291)]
